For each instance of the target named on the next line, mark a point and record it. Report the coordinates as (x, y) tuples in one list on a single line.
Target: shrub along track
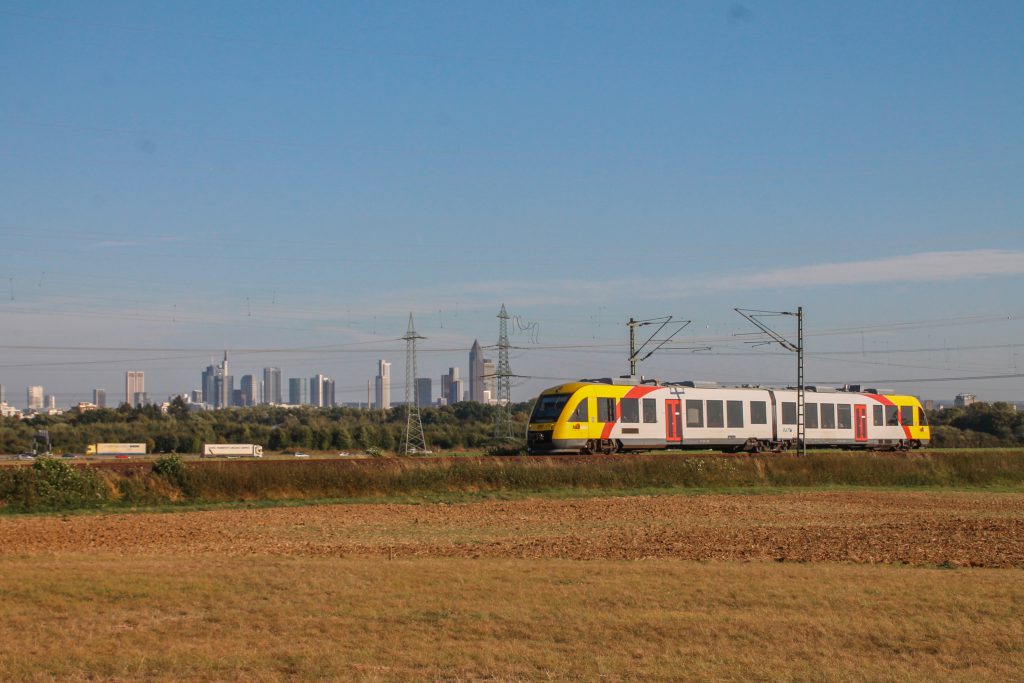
[(143, 463), (916, 528)]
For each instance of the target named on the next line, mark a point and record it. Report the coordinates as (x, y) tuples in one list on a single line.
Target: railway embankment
[(55, 485)]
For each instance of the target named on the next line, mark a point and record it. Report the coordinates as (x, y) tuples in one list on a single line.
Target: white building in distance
[(134, 384), (383, 385), (35, 397)]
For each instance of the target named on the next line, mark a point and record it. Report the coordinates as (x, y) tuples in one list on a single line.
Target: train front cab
[(560, 421), (596, 417), (906, 413)]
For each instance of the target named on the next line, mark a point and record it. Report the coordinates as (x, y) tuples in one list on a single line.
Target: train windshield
[(549, 407)]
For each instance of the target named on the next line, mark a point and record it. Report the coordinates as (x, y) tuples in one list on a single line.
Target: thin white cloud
[(936, 266), (111, 244), (939, 266)]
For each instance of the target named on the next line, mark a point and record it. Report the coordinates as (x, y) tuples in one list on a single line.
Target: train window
[(907, 416), (788, 413), (606, 410), (811, 416), (879, 418), (922, 417), (694, 413), (758, 413), (845, 416), (734, 413), (828, 415), (548, 408), (581, 414), (629, 409), (650, 410), (891, 418), (716, 416)]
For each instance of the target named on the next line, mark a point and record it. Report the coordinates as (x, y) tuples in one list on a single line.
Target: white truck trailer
[(111, 449), (232, 450)]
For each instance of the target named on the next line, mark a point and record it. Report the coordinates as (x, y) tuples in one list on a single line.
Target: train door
[(860, 422), (673, 420)]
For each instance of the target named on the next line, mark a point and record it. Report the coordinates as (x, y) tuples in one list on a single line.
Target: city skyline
[(352, 390)]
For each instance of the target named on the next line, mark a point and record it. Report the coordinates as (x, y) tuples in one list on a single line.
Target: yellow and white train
[(613, 415)]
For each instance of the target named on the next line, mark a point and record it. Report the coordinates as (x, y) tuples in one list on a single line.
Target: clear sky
[(181, 178)]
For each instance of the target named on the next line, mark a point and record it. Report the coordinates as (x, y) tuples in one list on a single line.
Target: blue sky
[(185, 177)]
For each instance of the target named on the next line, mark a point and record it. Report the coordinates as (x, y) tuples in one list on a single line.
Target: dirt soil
[(940, 529)]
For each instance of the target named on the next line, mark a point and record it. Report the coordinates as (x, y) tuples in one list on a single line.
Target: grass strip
[(173, 483)]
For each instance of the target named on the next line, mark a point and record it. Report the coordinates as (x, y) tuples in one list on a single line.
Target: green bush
[(170, 466), (51, 484), (175, 472)]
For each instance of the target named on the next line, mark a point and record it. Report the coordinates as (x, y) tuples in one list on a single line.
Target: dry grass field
[(807, 586)]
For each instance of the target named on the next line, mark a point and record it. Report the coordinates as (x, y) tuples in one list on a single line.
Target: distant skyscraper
[(481, 375), (250, 390), (490, 380), (226, 384), (51, 402), (272, 385), (99, 398), (452, 387), (134, 383), (298, 391), (476, 372), (424, 391), (218, 385), (223, 390), (35, 398), (316, 391), (329, 398), (209, 385), (964, 400), (383, 397), (446, 386), (139, 398), (3, 394)]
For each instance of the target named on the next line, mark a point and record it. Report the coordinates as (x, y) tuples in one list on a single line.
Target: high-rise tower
[(272, 385), (251, 394), (383, 385), (134, 387), (298, 391), (35, 397), (316, 391), (476, 372), (224, 396)]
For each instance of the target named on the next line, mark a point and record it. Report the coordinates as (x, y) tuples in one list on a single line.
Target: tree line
[(461, 426), (464, 425), (977, 425)]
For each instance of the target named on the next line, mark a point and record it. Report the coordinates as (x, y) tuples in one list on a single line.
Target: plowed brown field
[(953, 529), (493, 591)]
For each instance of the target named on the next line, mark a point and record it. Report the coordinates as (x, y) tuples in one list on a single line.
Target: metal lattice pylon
[(503, 426), (414, 441)]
